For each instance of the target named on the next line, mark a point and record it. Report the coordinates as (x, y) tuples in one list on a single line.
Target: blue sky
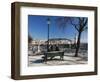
[(37, 29)]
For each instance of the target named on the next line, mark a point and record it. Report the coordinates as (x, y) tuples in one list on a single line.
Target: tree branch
[(84, 23), (85, 28), (75, 25)]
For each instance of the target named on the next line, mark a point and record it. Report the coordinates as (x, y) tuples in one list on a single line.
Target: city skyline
[(37, 29)]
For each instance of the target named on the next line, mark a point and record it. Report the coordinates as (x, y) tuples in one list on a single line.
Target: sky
[(38, 29)]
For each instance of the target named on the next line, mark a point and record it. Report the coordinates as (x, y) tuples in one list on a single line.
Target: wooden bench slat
[(53, 54)]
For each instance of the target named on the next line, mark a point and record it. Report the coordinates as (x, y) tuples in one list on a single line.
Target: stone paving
[(69, 59)]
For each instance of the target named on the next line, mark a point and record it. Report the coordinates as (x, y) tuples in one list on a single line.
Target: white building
[(52, 41)]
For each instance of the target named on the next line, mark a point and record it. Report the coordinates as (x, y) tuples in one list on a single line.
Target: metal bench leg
[(45, 58), (51, 57)]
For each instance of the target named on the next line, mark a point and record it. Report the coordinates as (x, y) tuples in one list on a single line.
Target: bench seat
[(52, 54)]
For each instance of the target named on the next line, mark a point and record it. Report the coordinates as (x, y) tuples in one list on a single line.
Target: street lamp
[(48, 22)]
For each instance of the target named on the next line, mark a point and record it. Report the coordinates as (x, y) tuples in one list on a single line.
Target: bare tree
[(79, 23)]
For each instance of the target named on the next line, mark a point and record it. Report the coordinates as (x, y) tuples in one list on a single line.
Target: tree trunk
[(78, 44)]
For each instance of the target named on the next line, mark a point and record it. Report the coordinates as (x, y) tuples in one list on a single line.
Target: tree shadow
[(54, 59), (37, 61)]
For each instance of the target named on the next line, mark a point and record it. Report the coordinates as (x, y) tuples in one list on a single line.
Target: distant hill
[(53, 39)]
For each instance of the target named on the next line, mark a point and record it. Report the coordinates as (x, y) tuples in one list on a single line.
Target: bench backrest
[(50, 54)]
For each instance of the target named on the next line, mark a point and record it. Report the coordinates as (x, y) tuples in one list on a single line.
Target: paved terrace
[(69, 59)]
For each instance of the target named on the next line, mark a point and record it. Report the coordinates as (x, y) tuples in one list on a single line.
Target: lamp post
[(48, 22)]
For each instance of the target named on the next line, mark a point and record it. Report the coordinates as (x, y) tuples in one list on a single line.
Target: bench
[(52, 54)]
